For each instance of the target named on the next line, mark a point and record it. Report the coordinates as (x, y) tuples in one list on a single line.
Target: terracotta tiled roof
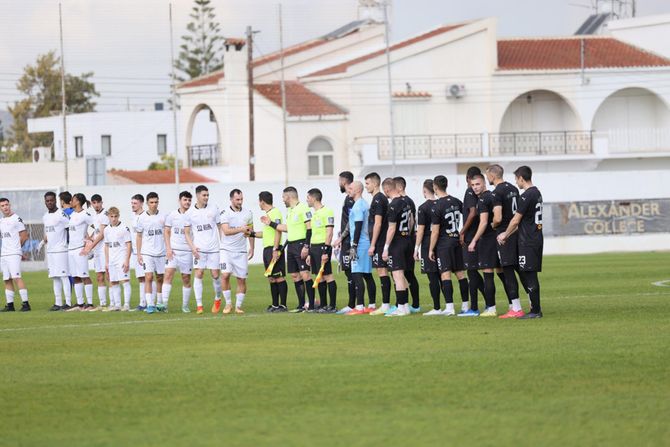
[(565, 53), (341, 68), (300, 101), (167, 176), (208, 79), (411, 95)]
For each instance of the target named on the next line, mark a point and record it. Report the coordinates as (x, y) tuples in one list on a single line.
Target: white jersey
[(55, 229), (133, 226), (204, 227), (177, 221), (116, 239), (10, 227), (79, 222), (99, 219), (151, 226), (235, 219)]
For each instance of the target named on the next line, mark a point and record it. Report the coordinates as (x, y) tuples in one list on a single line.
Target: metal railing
[(568, 142), (204, 155), (430, 146)]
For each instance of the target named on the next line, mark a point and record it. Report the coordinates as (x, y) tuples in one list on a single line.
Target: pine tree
[(201, 51)]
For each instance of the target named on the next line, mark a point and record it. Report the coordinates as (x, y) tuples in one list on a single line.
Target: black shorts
[(470, 258), (401, 254), (294, 262), (315, 253), (530, 258), (427, 266), (507, 253), (487, 252), (279, 270), (377, 261), (345, 259), (449, 256)]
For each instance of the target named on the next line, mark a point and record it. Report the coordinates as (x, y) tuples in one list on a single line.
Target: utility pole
[(174, 107), (283, 94), (390, 87), (250, 85), (62, 91)]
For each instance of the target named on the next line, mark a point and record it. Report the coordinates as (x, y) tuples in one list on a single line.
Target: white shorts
[(99, 261), (183, 260), (234, 263), (116, 273), (58, 264), (77, 264), (207, 261), (139, 270), (11, 266), (154, 264)]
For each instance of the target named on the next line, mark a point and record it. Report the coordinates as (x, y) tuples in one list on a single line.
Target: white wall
[(651, 32), (42, 175)]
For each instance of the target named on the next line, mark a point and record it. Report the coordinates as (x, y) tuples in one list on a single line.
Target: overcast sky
[(126, 42)]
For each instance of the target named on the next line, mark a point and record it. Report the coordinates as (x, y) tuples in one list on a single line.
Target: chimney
[(235, 60)]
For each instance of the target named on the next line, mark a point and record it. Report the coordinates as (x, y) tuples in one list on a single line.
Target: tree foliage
[(201, 51), (41, 84)]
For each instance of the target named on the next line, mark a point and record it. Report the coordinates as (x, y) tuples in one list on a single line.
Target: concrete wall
[(42, 175)]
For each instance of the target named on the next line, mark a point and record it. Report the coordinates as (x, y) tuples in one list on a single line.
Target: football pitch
[(594, 371)]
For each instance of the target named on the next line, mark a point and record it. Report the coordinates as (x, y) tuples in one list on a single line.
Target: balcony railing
[(541, 143), (651, 139), (203, 155), (430, 146)]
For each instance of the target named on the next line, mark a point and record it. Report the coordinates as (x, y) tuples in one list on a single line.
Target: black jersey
[(506, 196), (485, 205), (448, 214), (400, 213), (379, 207), (470, 201), (424, 217), (344, 220), (530, 227), (412, 206)]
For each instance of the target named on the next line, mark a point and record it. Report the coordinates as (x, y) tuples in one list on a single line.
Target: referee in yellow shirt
[(320, 251)]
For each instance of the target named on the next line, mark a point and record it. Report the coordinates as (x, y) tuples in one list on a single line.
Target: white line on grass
[(664, 283), (113, 323)]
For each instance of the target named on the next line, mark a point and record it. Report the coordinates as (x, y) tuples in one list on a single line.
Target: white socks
[(360, 307), (516, 305), (465, 306), (197, 289), (102, 296), (226, 296), (57, 291), (143, 301), (149, 299), (127, 290), (385, 306), (450, 307), (79, 293), (9, 295), (167, 288), (88, 290), (239, 300), (115, 296), (154, 291), (186, 296), (67, 290), (216, 283)]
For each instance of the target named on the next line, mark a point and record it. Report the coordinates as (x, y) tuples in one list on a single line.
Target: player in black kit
[(377, 227), (484, 242), (446, 218), (528, 221), (412, 281), (470, 225), (344, 241), (422, 247), (505, 199)]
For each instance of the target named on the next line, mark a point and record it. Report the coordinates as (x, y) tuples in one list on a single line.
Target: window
[(78, 147), (320, 158), (162, 144), (106, 144)]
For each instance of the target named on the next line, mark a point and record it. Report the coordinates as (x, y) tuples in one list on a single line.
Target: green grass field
[(594, 371)]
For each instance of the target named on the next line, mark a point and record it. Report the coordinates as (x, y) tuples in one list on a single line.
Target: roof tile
[(300, 101), (165, 176)]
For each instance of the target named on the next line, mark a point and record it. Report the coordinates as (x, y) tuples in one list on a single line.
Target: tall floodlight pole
[(62, 92), (283, 94), (390, 86), (174, 107)]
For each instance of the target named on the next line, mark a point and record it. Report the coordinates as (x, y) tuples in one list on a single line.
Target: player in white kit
[(14, 235), (204, 219), (56, 223), (179, 250), (117, 252), (151, 251), (137, 207), (100, 221), (79, 246), (237, 226)]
